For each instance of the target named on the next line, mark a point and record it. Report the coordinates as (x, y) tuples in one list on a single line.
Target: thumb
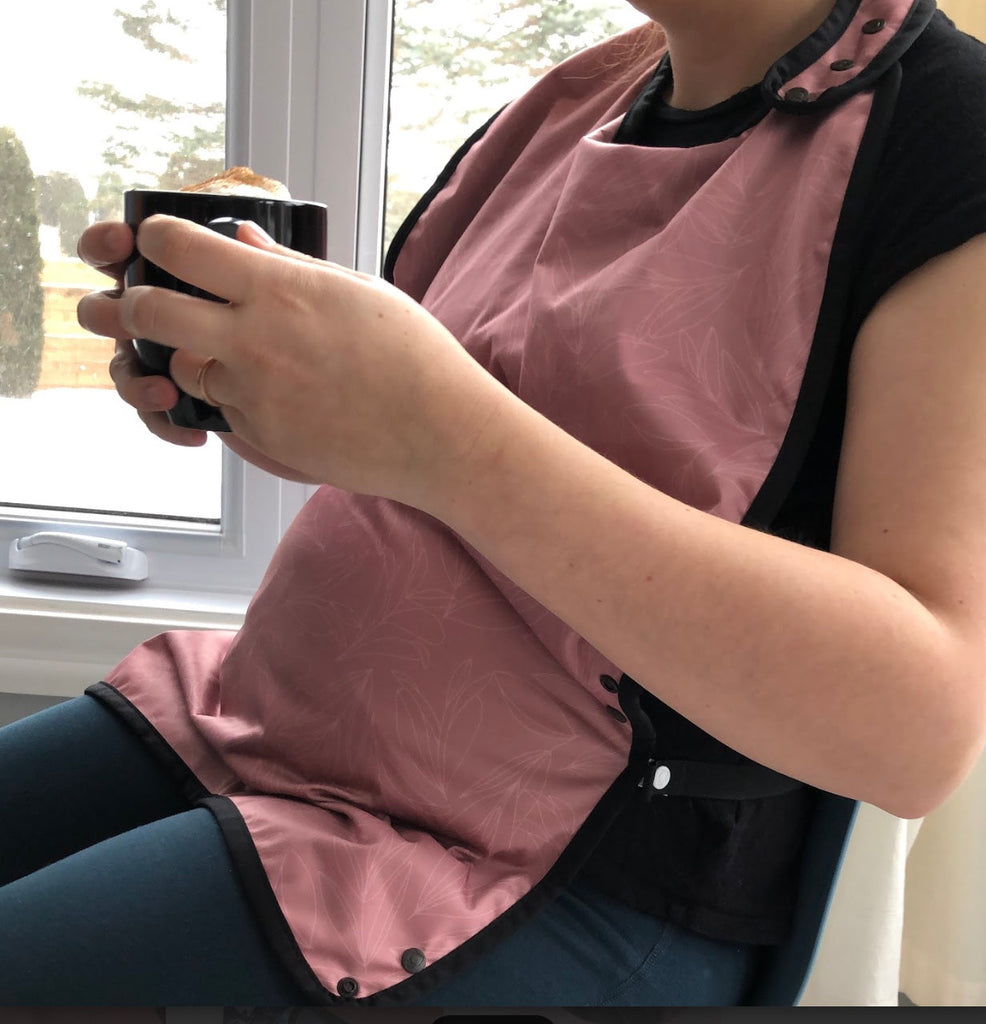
[(253, 234)]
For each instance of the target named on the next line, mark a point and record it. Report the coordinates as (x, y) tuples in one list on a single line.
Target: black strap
[(715, 781)]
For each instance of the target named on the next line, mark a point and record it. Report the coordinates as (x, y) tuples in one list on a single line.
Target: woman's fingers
[(160, 426), (198, 256), (175, 319), (253, 235), (206, 378), (106, 247), (151, 397), (99, 313), (144, 393)]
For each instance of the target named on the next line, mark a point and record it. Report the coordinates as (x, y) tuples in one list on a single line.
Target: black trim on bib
[(263, 902), (668, 778), (260, 895), (833, 313), (620, 794), (425, 201), (191, 788)]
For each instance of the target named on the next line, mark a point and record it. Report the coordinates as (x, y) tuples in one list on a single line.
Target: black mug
[(298, 225)]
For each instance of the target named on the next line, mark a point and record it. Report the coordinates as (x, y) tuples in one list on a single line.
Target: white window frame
[(308, 85)]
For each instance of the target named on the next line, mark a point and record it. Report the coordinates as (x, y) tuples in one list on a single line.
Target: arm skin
[(860, 671)]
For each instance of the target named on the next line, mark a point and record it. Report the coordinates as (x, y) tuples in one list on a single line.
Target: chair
[(789, 964)]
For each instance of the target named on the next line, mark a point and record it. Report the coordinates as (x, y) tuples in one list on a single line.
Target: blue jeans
[(114, 891)]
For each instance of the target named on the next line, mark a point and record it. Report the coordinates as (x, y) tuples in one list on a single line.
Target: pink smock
[(399, 743)]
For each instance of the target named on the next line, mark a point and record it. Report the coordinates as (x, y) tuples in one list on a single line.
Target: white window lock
[(77, 555)]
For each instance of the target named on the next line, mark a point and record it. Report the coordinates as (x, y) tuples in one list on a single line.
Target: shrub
[(21, 299), (63, 204)]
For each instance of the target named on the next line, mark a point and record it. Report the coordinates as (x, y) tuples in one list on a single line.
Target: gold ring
[(200, 380)]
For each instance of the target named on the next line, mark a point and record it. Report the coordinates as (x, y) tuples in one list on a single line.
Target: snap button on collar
[(842, 65), (871, 28), (616, 714), (797, 95), (609, 683)]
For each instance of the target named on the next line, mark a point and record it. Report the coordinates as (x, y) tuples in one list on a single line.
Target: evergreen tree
[(456, 64), (189, 153), (21, 300), (107, 203), (62, 204), (510, 38)]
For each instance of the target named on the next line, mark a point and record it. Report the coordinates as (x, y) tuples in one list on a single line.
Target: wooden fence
[(72, 357)]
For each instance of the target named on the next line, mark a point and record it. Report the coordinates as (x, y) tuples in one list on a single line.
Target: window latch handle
[(77, 555)]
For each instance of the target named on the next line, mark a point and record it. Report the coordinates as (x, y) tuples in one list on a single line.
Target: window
[(456, 62), (300, 90), (149, 113), (292, 75)]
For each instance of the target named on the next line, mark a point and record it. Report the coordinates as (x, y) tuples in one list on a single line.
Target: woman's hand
[(107, 247), (335, 376)]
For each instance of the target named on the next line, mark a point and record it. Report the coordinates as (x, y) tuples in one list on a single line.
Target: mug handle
[(227, 226)]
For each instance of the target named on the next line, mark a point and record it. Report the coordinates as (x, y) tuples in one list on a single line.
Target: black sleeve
[(929, 198), (930, 194)]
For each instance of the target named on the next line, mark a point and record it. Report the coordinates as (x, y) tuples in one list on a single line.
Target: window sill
[(56, 639)]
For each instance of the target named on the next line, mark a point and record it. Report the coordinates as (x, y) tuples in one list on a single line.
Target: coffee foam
[(241, 181)]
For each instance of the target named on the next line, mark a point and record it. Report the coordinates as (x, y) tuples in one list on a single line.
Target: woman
[(621, 558)]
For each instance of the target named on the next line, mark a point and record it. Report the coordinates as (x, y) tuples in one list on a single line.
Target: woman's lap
[(117, 891), (71, 776), (151, 917), (588, 950), (128, 896)]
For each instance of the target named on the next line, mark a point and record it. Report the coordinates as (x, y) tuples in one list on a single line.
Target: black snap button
[(609, 683), (842, 65), (876, 25), (347, 987), (797, 95), (616, 713), (413, 960)]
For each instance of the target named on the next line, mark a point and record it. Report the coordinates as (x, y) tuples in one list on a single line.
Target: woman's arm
[(859, 671), (862, 671)]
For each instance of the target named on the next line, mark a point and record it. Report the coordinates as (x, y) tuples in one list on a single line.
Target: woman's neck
[(719, 47)]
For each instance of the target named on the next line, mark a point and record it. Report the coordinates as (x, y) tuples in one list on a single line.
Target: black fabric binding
[(827, 344), (426, 200), (263, 902), (182, 775), (716, 781)]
